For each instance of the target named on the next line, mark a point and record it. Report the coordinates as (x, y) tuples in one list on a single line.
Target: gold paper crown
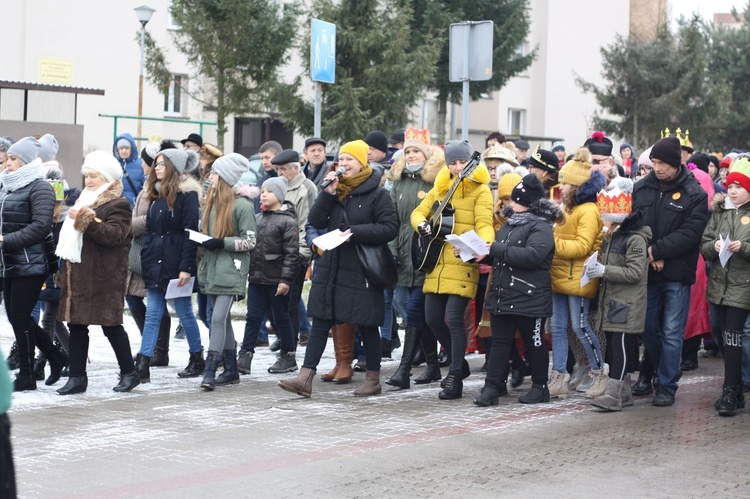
[(683, 138), (614, 202), (420, 134)]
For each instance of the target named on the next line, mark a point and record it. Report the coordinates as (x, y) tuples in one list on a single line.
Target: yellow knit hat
[(356, 148), (578, 170), (506, 184)]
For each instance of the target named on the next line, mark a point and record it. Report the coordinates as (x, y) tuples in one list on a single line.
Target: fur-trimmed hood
[(111, 193), (445, 179), (588, 190), (719, 202), (541, 208), (188, 183), (429, 173)]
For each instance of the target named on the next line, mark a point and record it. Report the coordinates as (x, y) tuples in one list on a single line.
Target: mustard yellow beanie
[(578, 170)]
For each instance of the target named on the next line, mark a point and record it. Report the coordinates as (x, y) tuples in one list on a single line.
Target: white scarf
[(70, 245)]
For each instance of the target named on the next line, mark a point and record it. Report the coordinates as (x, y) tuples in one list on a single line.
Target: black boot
[(13, 357), (58, 359), (25, 378), (401, 377), (161, 350), (732, 398), (489, 396), (160, 358), (39, 364), (231, 375), (443, 359), (75, 384), (453, 387), (643, 386), (209, 373), (195, 367), (142, 365), (128, 381), (429, 348), (538, 393), (386, 353), (418, 358)]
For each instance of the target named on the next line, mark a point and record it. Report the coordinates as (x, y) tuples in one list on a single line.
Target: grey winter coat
[(622, 291)]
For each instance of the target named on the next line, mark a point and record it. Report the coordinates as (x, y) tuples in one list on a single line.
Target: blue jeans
[(577, 308), (304, 320), (409, 302), (385, 329), (259, 298), (154, 312), (666, 317)]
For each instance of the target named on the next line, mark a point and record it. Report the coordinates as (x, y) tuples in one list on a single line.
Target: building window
[(516, 121), (522, 50), (174, 96), (171, 22)]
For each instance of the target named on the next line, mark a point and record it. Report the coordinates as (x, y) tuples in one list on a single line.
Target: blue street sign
[(323, 51)]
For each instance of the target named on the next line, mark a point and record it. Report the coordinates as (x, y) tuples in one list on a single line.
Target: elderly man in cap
[(315, 156), (193, 142), (522, 152), (675, 208), (396, 142), (301, 192), (601, 156)]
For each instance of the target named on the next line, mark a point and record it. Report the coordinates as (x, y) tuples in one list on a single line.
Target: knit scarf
[(348, 184), (12, 181), (70, 245)]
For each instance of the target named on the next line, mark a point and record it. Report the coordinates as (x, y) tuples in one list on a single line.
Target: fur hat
[(616, 200), (181, 159), (277, 185), (357, 149), (231, 167), (377, 140), (5, 144), (496, 151), (104, 164), (49, 147), (578, 170), (528, 191), (27, 149), (740, 173), (599, 144), (458, 150), (210, 152), (668, 150), (419, 138)]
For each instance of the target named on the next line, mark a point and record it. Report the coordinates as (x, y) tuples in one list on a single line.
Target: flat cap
[(286, 156)]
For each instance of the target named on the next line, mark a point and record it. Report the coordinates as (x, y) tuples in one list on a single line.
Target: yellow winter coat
[(472, 202), (575, 241)]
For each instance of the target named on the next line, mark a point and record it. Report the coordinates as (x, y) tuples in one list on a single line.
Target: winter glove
[(213, 244), (424, 229), (596, 271)]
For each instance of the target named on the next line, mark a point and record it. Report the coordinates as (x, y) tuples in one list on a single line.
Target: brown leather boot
[(337, 349), (371, 386), (346, 344), (301, 385)]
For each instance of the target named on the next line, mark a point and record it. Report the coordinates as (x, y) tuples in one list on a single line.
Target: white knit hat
[(104, 164)]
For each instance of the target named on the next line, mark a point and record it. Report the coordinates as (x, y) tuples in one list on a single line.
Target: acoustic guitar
[(425, 251)]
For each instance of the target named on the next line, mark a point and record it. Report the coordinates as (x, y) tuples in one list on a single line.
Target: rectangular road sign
[(323, 52), (470, 52)]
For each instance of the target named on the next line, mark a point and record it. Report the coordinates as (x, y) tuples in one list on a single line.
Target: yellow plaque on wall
[(52, 70)]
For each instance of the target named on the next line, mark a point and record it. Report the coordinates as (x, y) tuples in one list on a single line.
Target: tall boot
[(161, 350), (195, 366), (231, 375), (56, 356), (39, 364), (330, 376), (371, 386), (346, 340), (209, 373), (429, 347), (301, 385), (627, 392), (401, 377), (13, 356), (143, 364), (25, 377)]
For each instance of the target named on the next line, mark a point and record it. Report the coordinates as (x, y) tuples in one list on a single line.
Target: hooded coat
[(623, 290), (132, 169), (472, 203), (93, 291), (728, 285), (407, 192), (340, 289), (167, 250), (576, 239)]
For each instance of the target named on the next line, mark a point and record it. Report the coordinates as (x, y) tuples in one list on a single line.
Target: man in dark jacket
[(267, 152), (316, 165), (675, 207)]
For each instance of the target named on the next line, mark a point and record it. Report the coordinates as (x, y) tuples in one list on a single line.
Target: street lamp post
[(144, 13)]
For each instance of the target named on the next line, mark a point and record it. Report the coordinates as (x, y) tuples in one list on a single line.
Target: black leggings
[(503, 336), (619, 352), (445, 316), (21, 295), (79, 348), (732, 324)]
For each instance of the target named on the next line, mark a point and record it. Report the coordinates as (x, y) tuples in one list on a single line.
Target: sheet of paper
[(331, 240), (198, 237), (590, 262), (175, 291), (469, 244), (724, 252)]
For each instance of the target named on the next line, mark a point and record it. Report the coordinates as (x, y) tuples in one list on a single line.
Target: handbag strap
[(127, 177)]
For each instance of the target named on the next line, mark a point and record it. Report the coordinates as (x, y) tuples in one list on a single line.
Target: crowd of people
[(589, 255)]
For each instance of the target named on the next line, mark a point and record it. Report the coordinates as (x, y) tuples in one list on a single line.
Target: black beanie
[(378, 140), (667, 150), (701, 160), (528, 191)]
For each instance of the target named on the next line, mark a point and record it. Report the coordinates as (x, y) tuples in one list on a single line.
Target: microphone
[(339, 171)]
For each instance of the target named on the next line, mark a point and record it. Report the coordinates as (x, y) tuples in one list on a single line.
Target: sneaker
[(360, 366), (179, 334), (244, 361), (286, 363)]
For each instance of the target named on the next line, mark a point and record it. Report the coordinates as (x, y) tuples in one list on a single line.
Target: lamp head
[(144, 13)]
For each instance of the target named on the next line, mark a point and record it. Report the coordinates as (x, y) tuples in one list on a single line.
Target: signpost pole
[(316, 125), (465, 90)]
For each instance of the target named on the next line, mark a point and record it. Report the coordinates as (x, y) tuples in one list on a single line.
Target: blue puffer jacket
[(166, 250), (132, 169)]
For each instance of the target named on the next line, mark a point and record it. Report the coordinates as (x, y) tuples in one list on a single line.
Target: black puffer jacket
[(340, 291), (274, 257), (28, 247), (522, 254), (677, 214)]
